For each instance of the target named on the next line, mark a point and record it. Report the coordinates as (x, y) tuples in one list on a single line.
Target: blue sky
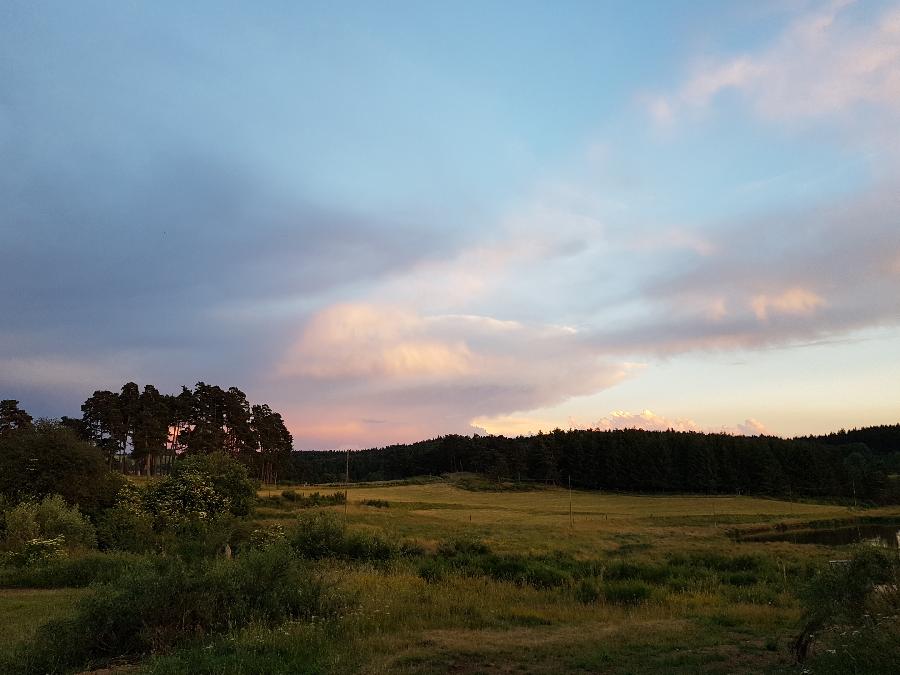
[(396, 220)]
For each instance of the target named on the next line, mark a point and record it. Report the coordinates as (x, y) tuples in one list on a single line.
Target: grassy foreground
[(618, 584)]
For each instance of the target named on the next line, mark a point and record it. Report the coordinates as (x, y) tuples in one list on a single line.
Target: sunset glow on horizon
[(392, 222)]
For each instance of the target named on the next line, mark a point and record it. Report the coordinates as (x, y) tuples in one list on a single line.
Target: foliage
[(314, 499), (629, 592), (37, 551), (628, 460), (266, 537), (73, 571), (46, 526), (470, 557), (322, 534), (855, 607), (200, 421), (124, 528), (151, 608), (376, 503), (50, 459), (227, 476), (186, 496), (13, 418)]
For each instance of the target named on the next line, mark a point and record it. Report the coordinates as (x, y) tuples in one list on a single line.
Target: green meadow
[(459, 575)]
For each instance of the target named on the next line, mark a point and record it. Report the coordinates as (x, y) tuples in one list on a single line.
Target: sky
[(396, 220)]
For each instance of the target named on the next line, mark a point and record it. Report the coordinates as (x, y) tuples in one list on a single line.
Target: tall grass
[(155, 607)]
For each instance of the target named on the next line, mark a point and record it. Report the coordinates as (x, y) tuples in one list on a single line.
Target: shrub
[(861, 599), (50, 459), (264, 537), (434, 570), (123, 528), (36, 551), (196, 540), (626, 592), (323, 534), (70, 572), (546, 575), (315, 499), (189, 495), (318, 535), (152, 608), (587, 592), (46, 520), (369, 546), (473, 557), (463, 546), (229, 478), (377, 503)]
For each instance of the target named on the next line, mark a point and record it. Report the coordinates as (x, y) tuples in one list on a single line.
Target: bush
[(323, 534), (434, 570), (463, 546), (861, 600), (264, 537), (47, 520), (587, 592), (228, 477), (314, 499), (71, 572), (473, 557), (153, 608), (377, 503), (187, 496), (125, 529), (50, 459), (626, 592), (318, 535), (369, 546), (196, 540)]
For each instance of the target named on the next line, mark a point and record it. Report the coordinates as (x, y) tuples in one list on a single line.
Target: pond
[(869, 533)]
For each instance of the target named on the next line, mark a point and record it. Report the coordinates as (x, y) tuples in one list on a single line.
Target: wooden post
[(571, 516), (347, 485)]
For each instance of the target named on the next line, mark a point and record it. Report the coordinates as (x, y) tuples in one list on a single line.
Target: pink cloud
[(824, 63), (794, 301), (650, 421), (365, 374)]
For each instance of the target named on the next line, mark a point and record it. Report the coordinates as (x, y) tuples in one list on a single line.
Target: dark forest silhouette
[(145, 431)]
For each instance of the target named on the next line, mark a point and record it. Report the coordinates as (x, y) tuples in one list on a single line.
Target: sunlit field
[(463, 624), (504, 579)]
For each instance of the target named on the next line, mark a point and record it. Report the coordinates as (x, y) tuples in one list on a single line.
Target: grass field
[(22, 611), (481, 625), (670, 590)]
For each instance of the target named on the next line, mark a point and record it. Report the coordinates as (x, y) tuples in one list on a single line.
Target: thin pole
[(571, 516), (347, 485)]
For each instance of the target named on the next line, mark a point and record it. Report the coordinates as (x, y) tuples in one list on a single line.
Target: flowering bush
[(37, 551), (187, 496), (264, 537), (47, 520)]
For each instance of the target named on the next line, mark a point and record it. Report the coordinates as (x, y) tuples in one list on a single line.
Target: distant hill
[(848, 465)]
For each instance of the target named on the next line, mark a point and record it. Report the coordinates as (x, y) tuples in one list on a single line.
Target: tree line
[(143, 431), (632, 460)]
